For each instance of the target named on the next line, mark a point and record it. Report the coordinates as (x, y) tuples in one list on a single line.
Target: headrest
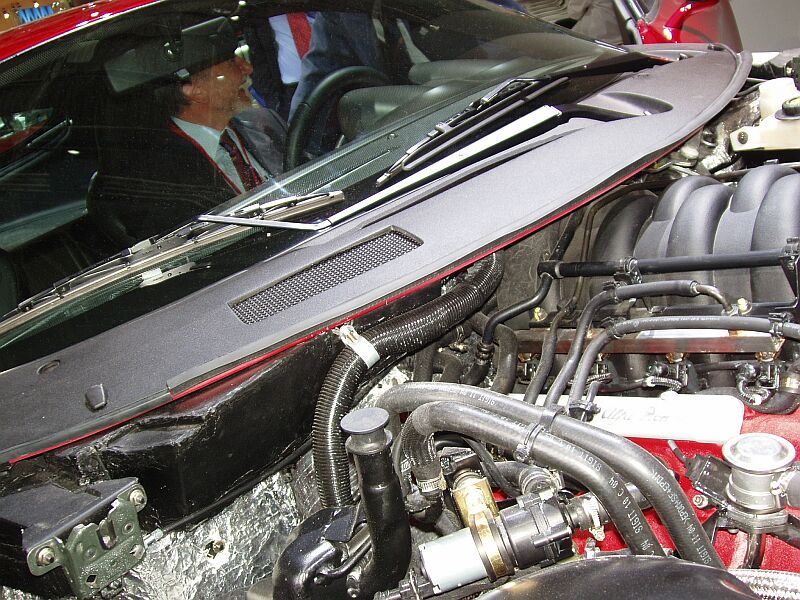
[(173, 56)]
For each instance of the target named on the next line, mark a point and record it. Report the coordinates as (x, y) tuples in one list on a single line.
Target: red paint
[(731, 548), (24, 37), (687, 22)]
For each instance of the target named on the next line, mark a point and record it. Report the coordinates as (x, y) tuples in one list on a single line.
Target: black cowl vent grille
[(324, 275)]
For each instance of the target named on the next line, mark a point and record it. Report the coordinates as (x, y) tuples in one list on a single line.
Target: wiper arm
[(495, 105)]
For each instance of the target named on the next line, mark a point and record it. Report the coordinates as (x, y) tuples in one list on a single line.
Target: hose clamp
[(360, 345), (592, 507), (524, 451), (549, 415), (432, 486)]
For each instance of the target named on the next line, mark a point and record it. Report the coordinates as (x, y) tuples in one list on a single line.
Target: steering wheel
[(307, 112)]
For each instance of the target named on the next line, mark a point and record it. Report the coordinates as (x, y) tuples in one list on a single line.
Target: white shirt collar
[(207, 137)]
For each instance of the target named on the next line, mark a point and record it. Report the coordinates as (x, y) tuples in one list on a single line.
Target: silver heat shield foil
[(253, 531), (221, 556)]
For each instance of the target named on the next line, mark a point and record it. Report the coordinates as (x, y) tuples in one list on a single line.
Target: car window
[(128, 130)]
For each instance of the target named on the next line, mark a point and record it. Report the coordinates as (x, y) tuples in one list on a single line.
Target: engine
[(580, 409)]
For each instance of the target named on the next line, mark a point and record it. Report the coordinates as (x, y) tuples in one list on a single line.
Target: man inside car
[(209, 107), (197, 140)]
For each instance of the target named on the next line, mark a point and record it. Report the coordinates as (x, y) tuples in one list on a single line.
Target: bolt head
[(45, 557), (742, 137), (137, 498), (700, 501)]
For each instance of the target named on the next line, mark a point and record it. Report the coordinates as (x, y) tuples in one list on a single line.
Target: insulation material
[(228, 552)]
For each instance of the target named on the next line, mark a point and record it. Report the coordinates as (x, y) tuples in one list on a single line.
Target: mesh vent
[(324, 275)]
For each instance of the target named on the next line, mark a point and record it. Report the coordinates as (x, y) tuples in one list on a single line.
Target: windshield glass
[(129, 129)]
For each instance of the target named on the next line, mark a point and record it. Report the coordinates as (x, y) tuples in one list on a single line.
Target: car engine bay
[(567, 416)]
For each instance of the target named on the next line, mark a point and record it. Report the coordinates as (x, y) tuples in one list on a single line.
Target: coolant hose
[(546, 449), (425, 358), (506, 375), (790, 330), (546, 358), (770, 585), (403, 334), (382, 503), (631, 461), (677, 287), (787, 398)]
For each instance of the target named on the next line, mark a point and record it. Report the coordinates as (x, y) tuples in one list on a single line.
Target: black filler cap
[(366, 428)]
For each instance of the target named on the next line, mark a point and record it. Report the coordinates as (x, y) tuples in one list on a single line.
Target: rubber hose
[(544, 288), (423, 362), (771, 585), (790, 330), (781, 403), (787, 398), (634, 463), (549, 450), (449, 366), (793, 491), (546, 358), (654, 481), (677, 287), (403, 334), (424, 359), (527, 478), (506, 376), (494, 473)]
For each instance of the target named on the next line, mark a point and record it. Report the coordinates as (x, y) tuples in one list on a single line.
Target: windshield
[(130, 129)]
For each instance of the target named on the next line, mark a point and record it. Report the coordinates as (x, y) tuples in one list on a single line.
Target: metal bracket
[(790, 263), (95, 555)]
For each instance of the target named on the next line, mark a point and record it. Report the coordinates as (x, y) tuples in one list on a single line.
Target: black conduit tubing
[(403, 334), (544, 287), (669, 264), (546, 358), (631, 461), (546, 449), (677, 287), (790, 330)]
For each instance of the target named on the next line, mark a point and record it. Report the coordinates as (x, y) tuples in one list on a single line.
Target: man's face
[(226, 85)]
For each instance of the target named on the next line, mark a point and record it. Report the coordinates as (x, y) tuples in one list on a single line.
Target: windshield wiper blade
[(280, 210), (500, 102)]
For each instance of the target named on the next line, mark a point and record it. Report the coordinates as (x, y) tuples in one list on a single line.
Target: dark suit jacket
[(158, 178)]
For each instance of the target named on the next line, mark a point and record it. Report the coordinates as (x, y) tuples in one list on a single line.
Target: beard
[(244, 100)]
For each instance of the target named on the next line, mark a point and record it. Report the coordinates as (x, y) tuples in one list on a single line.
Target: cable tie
[(360, 345)]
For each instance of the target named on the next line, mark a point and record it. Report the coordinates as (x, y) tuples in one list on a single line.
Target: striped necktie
[(247, 173)]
